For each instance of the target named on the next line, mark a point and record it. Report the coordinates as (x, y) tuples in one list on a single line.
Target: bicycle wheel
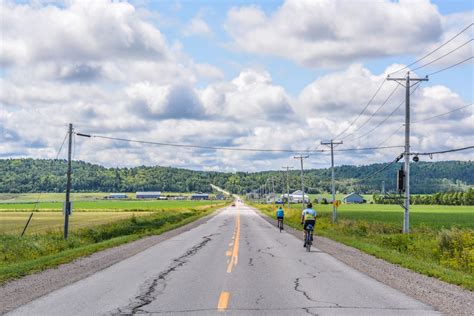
[(308, 241)]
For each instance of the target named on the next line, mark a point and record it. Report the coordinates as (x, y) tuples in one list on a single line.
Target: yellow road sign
[(337, 203)]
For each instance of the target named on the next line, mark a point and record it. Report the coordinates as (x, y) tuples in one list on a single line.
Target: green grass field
[(116, 205), (441, 242), (13, 222), (94, 226)]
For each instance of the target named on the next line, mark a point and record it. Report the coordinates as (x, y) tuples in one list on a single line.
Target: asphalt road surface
[(234, 264)]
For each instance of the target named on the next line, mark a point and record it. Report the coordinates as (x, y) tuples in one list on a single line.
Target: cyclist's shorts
[(280, 218), (309, 222)]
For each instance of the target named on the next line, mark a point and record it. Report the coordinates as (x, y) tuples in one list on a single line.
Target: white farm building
[(296, 197)]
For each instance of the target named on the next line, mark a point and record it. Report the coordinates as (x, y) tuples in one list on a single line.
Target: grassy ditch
[(36, 252), (446, 252)]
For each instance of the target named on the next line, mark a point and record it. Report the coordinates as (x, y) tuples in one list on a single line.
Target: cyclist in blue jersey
[(308, 217), (280, 214)]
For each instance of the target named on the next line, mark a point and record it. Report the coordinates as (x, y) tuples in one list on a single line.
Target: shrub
[(456, 248)]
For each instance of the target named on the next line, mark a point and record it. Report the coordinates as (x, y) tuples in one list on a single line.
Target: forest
[(40, 175)]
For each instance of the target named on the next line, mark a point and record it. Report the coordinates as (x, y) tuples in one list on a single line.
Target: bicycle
[(280, 224), (309, 237)]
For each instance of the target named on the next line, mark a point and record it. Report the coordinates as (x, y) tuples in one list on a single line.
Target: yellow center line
[(223, 301), (235, 250), (228, 253)]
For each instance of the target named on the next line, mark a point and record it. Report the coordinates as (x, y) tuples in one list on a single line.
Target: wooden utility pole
[(406, 154), (333, 183)]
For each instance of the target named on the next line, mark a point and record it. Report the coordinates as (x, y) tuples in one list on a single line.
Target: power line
[(391, 135), (368, 148), (433, 51), (442, 151), (443, 114), (441, 57), (381, 170), (441, 70), (225, 148), (386, 118), (363, 110), (376, 111)]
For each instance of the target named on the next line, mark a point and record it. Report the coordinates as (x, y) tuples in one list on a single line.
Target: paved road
[(234, 264)]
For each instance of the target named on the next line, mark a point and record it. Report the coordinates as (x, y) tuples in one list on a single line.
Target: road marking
[(235, 250), (228, 253), (223, 301)]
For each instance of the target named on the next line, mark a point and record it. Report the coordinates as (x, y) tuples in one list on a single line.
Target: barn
[(148, 195), (200, 196), (117, 196), (353, 198)]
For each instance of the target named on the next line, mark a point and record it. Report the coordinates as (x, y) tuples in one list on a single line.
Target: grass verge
[(23, 256), (446, 254)]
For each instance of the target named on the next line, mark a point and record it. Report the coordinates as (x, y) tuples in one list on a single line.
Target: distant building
[(296, 197), (220, 197), (180, 198), (117, 196), (353, 198), (148, 195), (200, 196)]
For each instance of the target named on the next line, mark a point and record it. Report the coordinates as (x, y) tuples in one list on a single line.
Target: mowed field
[(436, 216), (89, 209), (14, 222)]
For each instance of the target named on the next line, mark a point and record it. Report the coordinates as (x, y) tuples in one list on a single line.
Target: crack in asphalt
[(250, 264), (297, 288), (306, 309), (260, 250), (257, 301), (151, 291)]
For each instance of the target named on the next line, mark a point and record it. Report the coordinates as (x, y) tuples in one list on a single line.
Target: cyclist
[(280, 214), (308, 217)]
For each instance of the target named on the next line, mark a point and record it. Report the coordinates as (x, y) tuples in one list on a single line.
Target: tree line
[(440, 198), (40, 175)]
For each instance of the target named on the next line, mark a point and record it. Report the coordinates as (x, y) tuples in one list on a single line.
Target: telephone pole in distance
[(287, 184), (333, 184), (301, 157)]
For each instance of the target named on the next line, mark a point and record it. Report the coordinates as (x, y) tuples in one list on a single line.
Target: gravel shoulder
[(444, 297), (19, 292)]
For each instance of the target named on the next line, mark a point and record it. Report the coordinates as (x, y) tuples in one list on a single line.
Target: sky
[(279, 75)]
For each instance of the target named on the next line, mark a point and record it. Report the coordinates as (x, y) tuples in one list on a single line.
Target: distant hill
[(34, 175)]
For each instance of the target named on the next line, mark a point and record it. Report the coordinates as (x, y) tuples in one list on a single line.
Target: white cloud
[(141, 87), (331, 33), (197, 27)]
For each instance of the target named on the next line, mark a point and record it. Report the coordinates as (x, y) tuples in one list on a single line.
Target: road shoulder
[(21, 291), (444, 297)]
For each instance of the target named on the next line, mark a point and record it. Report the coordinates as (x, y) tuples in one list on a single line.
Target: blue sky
[(249, 74), (284, 72)]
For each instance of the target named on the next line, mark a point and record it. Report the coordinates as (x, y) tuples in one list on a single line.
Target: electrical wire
[(391, 135), (381, 170), (433, 51), (443, 114), (36, 205), (444, 69), (363, 110), (229, 148), (442, 151), (441, 57), (386, 118), (376, 111), (369, 148)]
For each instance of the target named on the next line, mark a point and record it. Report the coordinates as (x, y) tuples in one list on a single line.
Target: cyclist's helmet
[(309, 205)]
